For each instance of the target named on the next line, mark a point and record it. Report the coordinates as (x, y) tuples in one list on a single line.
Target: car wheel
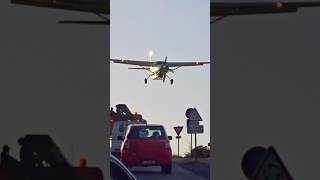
[(166, 169)]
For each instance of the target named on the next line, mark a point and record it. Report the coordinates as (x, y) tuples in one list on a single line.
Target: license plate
[(148, 162)]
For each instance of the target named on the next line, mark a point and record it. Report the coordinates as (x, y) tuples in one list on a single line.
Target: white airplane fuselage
[(158, 71)]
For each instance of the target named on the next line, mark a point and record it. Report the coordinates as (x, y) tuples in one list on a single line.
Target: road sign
[(192, 114), (272, 168), (195, 129), (251, 160), (178, 129), (264, 164), (191, 123)]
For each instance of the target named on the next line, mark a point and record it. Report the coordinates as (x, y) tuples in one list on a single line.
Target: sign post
[(178, 137), (191, 145), (195, 140), (178, 130), (193, 125)]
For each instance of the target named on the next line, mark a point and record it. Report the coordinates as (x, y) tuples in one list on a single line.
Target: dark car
[(118, 171)]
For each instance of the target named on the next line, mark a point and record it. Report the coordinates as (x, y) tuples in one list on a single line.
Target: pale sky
[(179, 29)]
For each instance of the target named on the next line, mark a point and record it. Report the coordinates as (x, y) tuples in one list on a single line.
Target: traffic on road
[(142, 148)]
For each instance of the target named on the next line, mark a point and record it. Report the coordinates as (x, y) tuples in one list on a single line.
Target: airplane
[(217, 9), (157, 69)]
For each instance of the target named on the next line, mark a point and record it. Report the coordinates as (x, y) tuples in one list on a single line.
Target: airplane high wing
[(247, 8), (93, 6), (180, 64), (148, 63), (132, 62), (216, 8), (158, 70), (98, 7)]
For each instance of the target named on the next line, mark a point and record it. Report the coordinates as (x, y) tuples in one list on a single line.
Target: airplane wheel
[(145, 80), (171, 81)]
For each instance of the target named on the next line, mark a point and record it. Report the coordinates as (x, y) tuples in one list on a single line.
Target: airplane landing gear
[(171, 80), (146, 79)]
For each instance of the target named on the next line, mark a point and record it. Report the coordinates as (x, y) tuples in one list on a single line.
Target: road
[(154, 173)]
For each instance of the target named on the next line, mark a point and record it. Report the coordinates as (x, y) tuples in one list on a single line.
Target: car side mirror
[(170, 138), (120, 138)]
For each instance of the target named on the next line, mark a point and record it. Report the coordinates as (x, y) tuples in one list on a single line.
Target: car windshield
[(147, 132)]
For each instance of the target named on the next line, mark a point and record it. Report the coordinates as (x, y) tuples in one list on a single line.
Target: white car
[(117, 136)]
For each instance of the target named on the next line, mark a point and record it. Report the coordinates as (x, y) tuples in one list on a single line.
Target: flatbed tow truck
[(119, 121), (123, 113)]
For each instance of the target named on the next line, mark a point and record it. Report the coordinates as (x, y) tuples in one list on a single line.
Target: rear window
[(147, 132)]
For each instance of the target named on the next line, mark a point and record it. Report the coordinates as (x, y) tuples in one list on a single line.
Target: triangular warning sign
[(178, 129), (272, 167)]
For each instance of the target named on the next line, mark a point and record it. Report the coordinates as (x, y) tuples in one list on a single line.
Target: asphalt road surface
[(154, 173)]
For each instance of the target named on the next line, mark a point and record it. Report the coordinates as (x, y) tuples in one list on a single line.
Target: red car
[(147, 145)]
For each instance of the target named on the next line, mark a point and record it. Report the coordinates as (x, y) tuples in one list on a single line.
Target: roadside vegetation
[(197, 152)]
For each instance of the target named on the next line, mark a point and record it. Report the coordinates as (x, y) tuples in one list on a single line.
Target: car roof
[(119, 122)]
